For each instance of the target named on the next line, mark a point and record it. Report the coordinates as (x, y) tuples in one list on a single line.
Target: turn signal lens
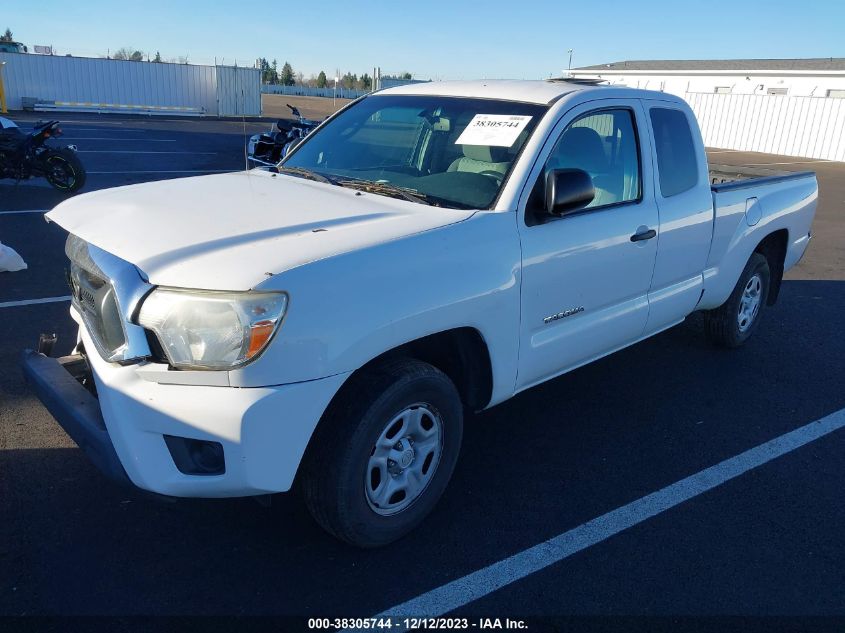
[(259, 336)]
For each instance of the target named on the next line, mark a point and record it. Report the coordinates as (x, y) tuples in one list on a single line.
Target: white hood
[(228, 232)]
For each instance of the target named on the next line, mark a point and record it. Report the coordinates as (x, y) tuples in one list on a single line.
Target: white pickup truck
[(429, 249)]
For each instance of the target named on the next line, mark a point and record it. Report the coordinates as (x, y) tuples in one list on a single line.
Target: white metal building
[(794, 77), (794, 107), (48, 82)]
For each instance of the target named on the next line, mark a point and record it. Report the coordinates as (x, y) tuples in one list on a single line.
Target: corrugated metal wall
[(88, 80), (238, 91), (810, 127)]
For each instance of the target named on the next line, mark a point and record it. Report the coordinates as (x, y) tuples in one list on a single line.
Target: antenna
[(243, 123)]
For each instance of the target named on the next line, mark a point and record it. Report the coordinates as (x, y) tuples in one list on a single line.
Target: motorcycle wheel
[(64, 171)]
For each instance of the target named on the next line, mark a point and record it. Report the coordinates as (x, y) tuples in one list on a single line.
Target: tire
[(732, 324), (344, 469), (67, 163)]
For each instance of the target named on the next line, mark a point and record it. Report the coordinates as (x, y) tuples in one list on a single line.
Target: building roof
[(794, 65)]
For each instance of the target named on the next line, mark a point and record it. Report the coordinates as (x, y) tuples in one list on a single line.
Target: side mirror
[(568, 190)]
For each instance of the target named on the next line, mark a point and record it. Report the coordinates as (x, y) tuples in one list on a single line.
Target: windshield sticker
[(500, 130)]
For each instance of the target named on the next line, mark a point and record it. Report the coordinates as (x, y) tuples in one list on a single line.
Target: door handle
[(643, 235)]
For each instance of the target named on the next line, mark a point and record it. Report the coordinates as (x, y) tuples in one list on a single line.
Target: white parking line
[(23, 211), (127, 151), (121, 140), (485, 581), (172, 171), (74, 122), (794, 162), (30, 302)]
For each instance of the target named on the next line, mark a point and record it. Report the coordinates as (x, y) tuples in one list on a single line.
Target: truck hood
[(230, 231)]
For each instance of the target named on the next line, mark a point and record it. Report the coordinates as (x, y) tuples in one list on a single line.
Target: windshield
[(446, 151)]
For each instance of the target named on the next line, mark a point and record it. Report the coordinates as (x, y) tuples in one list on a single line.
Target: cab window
[(604, 144)]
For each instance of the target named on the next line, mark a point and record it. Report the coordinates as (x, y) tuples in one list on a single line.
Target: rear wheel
[(64, 171), (733, 323), (384, 453)]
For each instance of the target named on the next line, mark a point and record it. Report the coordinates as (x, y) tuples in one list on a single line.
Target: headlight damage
[(212, 330)]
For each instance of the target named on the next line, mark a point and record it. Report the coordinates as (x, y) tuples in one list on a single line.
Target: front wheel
[(733, 323), (384, 453), (64, 170)]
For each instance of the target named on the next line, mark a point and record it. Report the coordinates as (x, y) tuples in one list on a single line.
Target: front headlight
[(212, 330)]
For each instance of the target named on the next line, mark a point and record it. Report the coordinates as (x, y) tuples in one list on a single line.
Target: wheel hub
[(401, 456), (749, 304), (403, 459)]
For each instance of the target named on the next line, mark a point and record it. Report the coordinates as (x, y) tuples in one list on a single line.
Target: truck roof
[(529, 91)]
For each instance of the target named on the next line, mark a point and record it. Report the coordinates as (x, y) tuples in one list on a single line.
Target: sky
[(457, 39)]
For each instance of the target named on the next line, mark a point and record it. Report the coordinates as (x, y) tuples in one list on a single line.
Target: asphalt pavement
[(762, 550)]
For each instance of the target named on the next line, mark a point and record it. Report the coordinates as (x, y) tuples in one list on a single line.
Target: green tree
[(366, 82), (321, 80), (7, 36), (286, 77), (157, 58), (267, 71), (406, 76), (349, 81), (274, 72)]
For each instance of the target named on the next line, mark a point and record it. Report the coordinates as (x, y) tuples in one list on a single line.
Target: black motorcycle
[(269, 148), (24, 156)]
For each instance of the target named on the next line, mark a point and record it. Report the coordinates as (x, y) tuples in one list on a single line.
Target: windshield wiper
[(303, 173), (411, 195)]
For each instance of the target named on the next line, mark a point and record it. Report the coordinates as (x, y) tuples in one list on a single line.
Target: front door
[(585, 281)]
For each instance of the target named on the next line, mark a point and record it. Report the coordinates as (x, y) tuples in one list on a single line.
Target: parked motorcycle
[(24, 156), (269, 148)]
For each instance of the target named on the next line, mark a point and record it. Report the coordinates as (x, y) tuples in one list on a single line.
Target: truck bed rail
[(756, 181)]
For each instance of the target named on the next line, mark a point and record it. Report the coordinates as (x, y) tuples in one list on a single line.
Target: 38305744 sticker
[(500, 130)]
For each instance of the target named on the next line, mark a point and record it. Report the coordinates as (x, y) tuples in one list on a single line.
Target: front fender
[(348, 309)]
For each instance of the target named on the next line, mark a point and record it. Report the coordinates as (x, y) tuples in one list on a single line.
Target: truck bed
[(749, 205)]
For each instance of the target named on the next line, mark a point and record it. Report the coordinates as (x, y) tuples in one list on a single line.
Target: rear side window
[(676, 159)]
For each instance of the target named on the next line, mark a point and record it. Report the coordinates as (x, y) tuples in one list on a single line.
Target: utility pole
[(2, 91), (569, 68)]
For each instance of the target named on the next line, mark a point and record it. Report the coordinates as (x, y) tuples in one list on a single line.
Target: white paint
[(118, 140), (24, 211), (519, 90), (261, 454), (30, 302), (127, 151), (171, 171), (209, 244), (794, 162), (483, 582)]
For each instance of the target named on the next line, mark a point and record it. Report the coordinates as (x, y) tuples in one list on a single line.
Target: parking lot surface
[(766, 542)]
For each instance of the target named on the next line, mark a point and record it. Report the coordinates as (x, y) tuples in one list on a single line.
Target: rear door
[(685, 205), (584, 281)]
